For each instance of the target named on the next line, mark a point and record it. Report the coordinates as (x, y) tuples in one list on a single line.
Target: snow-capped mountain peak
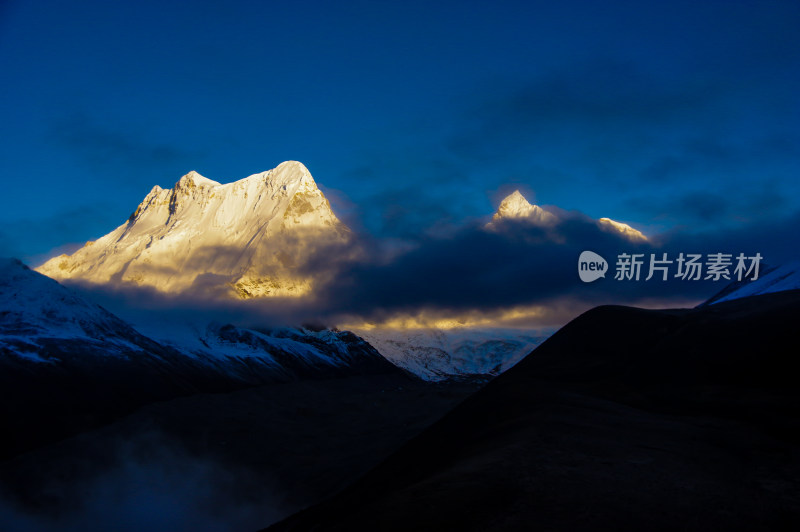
[(241, 239)]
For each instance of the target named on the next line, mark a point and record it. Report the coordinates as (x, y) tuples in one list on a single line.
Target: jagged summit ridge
[(244, 238)]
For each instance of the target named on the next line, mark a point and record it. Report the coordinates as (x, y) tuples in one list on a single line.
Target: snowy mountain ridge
[(242, 239)]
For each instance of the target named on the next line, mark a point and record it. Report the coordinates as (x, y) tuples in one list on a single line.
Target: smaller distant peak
[(516, 206)]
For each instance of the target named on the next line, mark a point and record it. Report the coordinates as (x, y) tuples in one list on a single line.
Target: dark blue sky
[(411, 116)]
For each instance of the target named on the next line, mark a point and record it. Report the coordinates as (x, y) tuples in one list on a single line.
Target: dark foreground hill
[(626, 419)]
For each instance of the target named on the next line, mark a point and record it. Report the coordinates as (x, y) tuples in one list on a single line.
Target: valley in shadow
[(221, 461)]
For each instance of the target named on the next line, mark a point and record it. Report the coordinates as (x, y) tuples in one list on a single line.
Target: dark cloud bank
[(521, 264)]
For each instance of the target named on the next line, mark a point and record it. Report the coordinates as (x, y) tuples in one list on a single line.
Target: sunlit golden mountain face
[(247, 239)]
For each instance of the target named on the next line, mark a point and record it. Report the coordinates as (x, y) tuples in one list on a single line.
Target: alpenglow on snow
[(243, 239)]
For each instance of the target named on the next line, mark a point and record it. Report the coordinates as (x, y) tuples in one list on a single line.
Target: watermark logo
[(686, 267), (591, 266)]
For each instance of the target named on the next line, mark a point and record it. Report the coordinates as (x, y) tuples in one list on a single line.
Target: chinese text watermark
[(660, 266)]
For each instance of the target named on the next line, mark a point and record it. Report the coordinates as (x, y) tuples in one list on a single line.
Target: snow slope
[(242, 239), (36, 312), (286, 352), (786, 277)]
